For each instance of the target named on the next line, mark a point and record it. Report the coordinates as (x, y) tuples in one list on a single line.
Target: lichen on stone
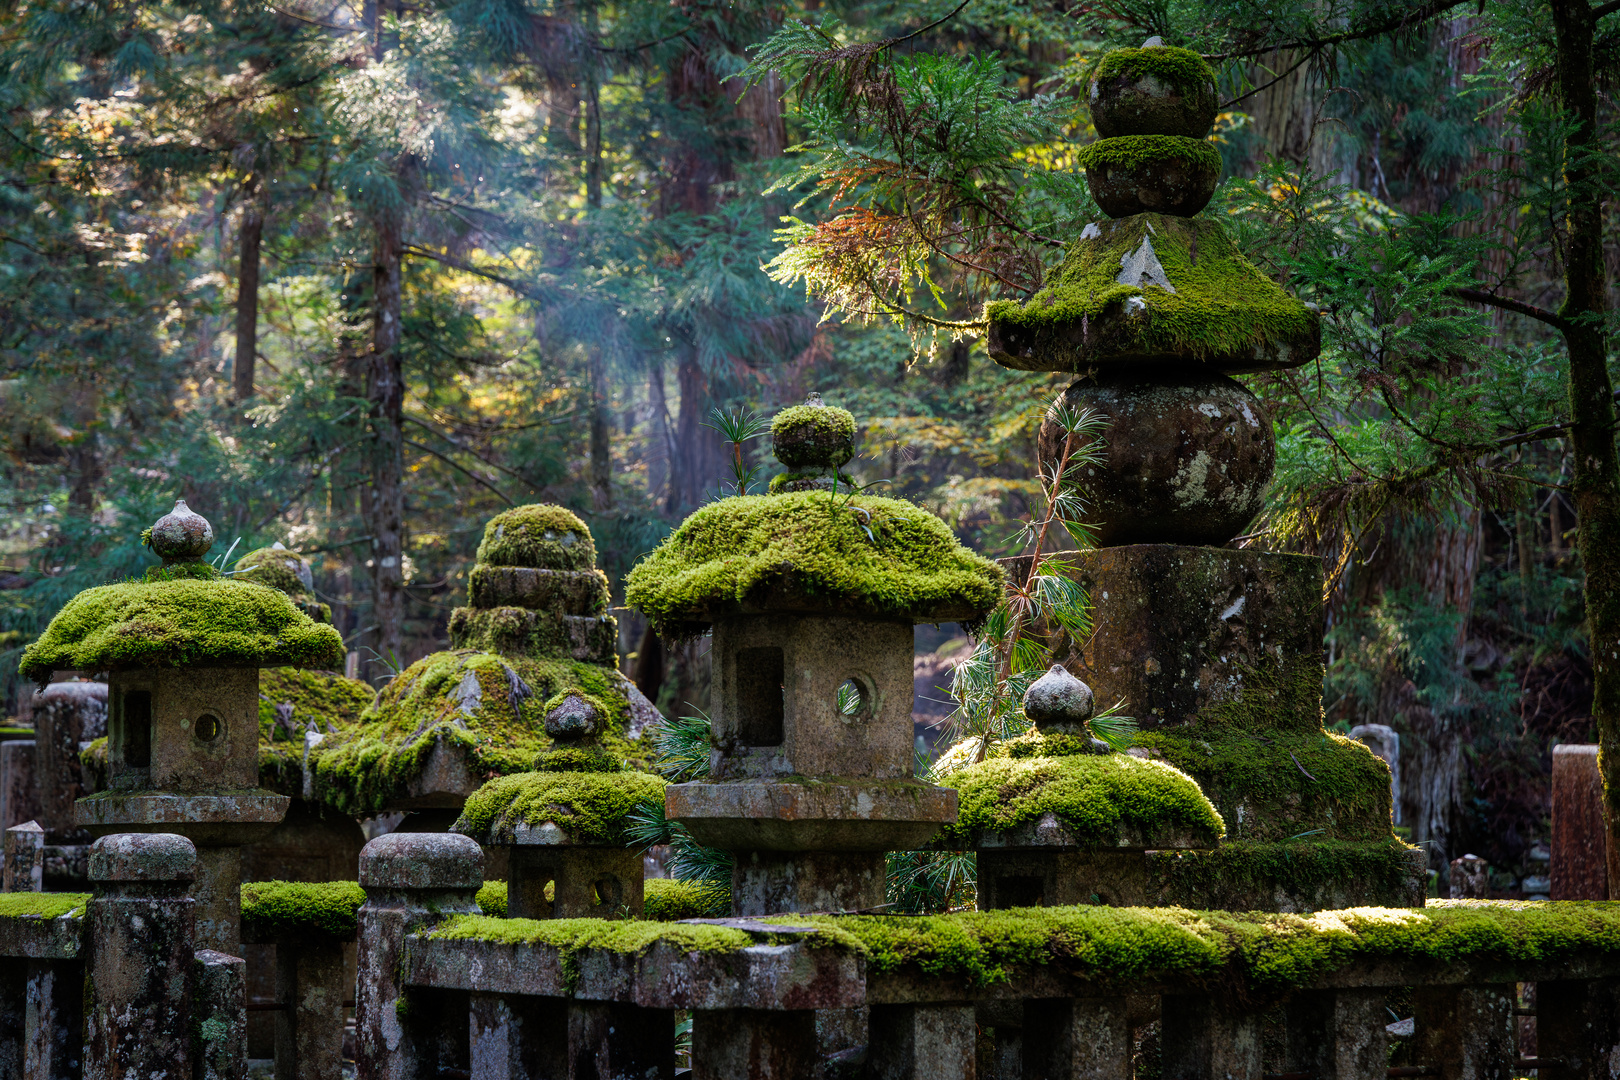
[(180, 623), (590, 807), (42, 905), (670, 900), (811, 551), (1100, 798), (540, 535), (1224, 311), (302, 910)]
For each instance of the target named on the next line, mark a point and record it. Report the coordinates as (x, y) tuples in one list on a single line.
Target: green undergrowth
[(811, 549), (42, 905), (492, 708), (542, 535), (670, 900), (592, 807), (1104, 799), (302, 910), (1223, 305), (1274, 785), (1132, 151), (177, 624), (1181, 68)]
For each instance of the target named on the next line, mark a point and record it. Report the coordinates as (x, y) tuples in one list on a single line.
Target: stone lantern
[(1216, 651), (811, 596), (183, 649)]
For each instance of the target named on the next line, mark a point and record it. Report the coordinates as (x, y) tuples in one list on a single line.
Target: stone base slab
[(767, 815), (204, 819)]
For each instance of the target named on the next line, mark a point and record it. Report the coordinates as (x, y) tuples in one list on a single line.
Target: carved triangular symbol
[(1142, 268)]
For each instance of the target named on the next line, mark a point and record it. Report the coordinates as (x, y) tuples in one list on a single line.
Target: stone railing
[(447, 991)]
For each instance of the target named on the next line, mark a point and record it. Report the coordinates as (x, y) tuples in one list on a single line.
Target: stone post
[(19, 789), (52, 1024), (412, 881), (1579, 839), (24, 868), (220, 1015), (609, 1039), (1577, 1028), (309, 1027), (141, 940), (66, 716), (1338, 1034), (922, 1042), (13, 1008), (1466, 1032), (1077, 1039), (1201, 1040), (513, 1037), (728, 1044)]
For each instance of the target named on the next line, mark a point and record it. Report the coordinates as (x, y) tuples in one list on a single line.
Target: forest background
[(355, 277)]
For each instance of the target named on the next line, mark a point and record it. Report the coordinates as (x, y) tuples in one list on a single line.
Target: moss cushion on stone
[(669, 900), (329, 701), (588, 807), (1224, 312), (813, 436), (540, 535), (1136, 174), (41, 905), (1157, 91), (491, 708), (180, 624), (810, 551), (286, 570), (300, 910), (1109, 800)]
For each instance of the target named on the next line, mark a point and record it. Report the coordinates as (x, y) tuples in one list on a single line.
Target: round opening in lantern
[(207, 728), (854, 698)]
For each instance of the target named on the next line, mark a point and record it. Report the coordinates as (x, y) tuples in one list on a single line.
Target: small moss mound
[(540, 535), (491, 707), (186, 571), (301, 909), (42, 905), (1180, 68), (669, 900), (492, 898), (810, 550), (591, 807), (1104, 799), (180, 624), (277, 567), (813, 436), (1224, 311)]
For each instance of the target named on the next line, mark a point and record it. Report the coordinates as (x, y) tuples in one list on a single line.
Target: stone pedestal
[(219, 1015), (19, 784), (142, 934), (24, 866)]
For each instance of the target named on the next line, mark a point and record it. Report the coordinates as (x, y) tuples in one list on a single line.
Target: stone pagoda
[(182, 650), (1216, 651), (811, 596)]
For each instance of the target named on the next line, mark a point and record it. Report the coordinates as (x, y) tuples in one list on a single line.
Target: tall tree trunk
[(699, 463), (385, 392), (601, 437), (254, 196), (591, 77), (1596, 481)]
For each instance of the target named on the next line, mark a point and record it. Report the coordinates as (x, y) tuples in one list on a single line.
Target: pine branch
[(1480, 296), (461, 469), (1422, 14)]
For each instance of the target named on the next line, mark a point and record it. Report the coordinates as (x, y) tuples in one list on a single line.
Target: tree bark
[(247, 288), (699, 463), (1596, 481), (385, 393), (601, 437)]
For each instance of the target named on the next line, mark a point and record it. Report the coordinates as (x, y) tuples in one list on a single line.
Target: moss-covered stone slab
[(559, 808), (811, 551), (1079, 801), (218, 818), (516, 631), (540, 535), (300, 912), (670, 900), (804, 814), (180, 623), (570, 592), (41, 925), (1152, 288), (454, 720)]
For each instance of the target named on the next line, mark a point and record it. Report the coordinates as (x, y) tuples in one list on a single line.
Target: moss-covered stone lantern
[(182, 650), (811, 596), (1216, 651)]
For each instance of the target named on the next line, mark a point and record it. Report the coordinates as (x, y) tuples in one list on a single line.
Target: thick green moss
[(516, 631), (490, 706), (549, 537), (592, 807), (1272, 785), (1100, 797), (813, 436), (332, 702), (287, 571), (10, 732), (1131, 151), (42, 905), (811, 550), (669, 900), (180, 624), (574, 935), (1181, 68), (1223, 308), (186, 571), (492, 898), (302, 910)]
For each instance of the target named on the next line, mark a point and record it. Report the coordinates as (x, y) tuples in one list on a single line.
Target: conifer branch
[(1422, 14), (1480, 296)]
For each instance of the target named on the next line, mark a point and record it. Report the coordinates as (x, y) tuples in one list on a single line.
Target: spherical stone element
[(1152, 91), (1139, 174), (1057, 701), (143, 857), (813, 435), (572, 719), (182, 535), (540, 535), (422, 861), (1189, 456)]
